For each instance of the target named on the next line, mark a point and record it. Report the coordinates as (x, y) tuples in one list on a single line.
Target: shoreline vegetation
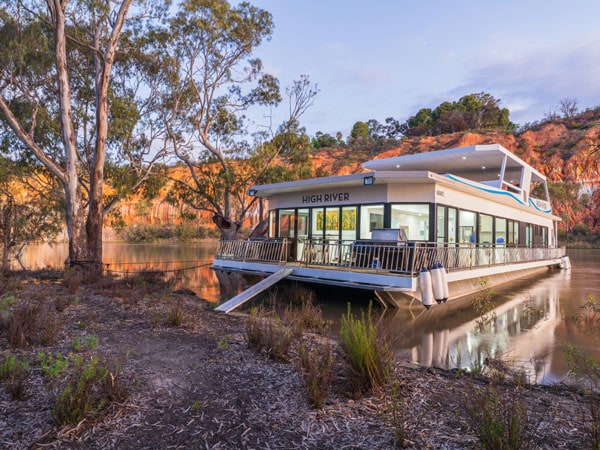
[(130, 363)]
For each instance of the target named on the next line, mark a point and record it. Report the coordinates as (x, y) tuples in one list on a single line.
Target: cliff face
[(563, 150)]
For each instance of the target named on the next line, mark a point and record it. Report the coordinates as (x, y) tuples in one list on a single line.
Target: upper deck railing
[(402, 257)]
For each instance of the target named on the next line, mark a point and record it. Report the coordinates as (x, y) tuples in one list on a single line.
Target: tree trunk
[(227, 227)]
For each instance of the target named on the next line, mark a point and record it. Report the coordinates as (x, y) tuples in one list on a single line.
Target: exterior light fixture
[(369, 181), (252, 192)]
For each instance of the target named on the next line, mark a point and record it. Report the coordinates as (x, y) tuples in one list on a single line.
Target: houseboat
[(429, 227)]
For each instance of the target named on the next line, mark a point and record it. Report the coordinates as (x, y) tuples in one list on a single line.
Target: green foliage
[(502, 420), (324, 140), (365, 350), (471, 112), (316, 367), (53, 366), (89, 343), (397, 411), (175, 315), (14, 373), (483, 304), (29, 207), (6, 301), (89, 387)]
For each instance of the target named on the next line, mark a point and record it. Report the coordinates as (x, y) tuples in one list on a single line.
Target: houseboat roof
[(492, 165), (476, 162)]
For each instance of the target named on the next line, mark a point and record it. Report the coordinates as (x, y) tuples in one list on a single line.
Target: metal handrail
[(401, 257)]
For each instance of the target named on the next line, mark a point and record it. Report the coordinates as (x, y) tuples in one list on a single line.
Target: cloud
[(531, 84)]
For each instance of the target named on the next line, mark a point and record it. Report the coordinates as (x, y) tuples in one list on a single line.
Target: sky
[(390, 58)]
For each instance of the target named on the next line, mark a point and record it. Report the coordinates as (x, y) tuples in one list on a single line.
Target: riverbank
[(189, 379)]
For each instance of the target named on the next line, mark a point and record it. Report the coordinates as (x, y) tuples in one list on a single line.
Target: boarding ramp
[(253, 291)]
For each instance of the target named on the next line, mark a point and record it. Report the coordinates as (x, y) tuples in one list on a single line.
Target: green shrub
[(366, 351), (502, 420), (89, 388), (14, 373), (316, 367)]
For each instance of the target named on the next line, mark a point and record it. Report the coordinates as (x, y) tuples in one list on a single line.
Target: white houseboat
[(430, 227)]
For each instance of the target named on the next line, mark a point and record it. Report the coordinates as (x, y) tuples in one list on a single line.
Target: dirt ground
[(199, 385)]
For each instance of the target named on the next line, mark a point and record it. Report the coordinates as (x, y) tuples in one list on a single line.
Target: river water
[(533, 319)]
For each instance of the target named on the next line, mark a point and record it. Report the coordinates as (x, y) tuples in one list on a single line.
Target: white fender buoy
[(426, 289), (436, 282), (565, 263), (445, 287)]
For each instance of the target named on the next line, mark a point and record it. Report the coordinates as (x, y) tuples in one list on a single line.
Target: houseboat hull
[(396, 290)]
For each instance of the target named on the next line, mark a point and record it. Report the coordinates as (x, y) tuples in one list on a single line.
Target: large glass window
[(413, 219), (440, 227), (287, 223), (303, 223), (349, 223), (317, 224), (467, 229), (371, 217), (501, 237), (486, 229), (513, 232), (332, 223), (451, 224), (272, 223)]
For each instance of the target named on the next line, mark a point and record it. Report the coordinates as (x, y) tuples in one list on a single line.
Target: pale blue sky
[(372, 60)]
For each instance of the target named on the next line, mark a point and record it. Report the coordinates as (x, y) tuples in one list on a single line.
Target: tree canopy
[(471, 112), (76, 94), (212, 81)]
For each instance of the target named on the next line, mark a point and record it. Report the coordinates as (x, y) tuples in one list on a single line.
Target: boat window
[(371, 217), (303, 223), (513, 232), (528, 235), (501, 237), (317, 224), (332, 223), (440, 228), (349, 223), (486, 229), (413, 219), (467, 227), (451, 224), (287, 223), (272, 223)]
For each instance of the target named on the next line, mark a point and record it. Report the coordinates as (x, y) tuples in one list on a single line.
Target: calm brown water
[(534, 318)]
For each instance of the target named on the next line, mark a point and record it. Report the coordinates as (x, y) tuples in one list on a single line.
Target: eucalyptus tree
[(77, 93), (215, 83)]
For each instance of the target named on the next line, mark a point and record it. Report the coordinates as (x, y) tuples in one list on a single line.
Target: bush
[(502, 420), (31, 322), (14, 373), (366, 351), (316, 368), (90, 386), (268, 334)]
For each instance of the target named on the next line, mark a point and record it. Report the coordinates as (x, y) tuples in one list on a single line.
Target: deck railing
[(404, 257)]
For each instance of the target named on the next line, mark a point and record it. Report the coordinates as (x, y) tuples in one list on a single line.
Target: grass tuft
[(366, 350), (316, 368), (14, 373)]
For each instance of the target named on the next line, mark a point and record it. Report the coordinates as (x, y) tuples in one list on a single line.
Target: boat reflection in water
[(523, 330)]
